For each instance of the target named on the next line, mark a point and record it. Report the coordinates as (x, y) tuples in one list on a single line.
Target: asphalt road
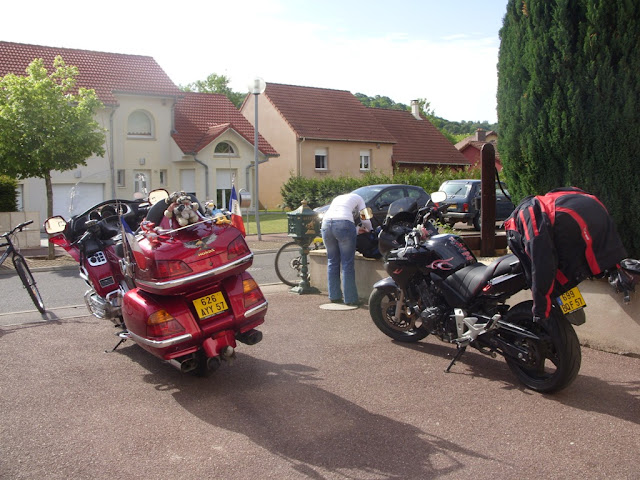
[(324, 396)]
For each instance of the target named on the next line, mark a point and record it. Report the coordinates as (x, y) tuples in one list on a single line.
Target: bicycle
[(289, 261), (21, 266)]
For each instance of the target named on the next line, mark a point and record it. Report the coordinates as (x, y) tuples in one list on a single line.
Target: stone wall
[(30, 236)]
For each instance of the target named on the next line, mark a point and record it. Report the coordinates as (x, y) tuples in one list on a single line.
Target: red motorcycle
[(180, 292)]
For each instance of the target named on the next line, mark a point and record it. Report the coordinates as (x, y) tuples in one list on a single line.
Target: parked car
[(463, 200), (379, 197)]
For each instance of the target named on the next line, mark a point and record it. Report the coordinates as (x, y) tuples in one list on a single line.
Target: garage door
[(69, 200)]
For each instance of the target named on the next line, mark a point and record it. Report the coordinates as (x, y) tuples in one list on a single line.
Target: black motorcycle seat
[(468, 281)]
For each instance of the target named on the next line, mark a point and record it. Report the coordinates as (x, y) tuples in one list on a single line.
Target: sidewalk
[(37, 258)]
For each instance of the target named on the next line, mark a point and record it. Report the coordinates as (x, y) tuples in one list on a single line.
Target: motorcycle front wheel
[(382, 308), (554, 360)]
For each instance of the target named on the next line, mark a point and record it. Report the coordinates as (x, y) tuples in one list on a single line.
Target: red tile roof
[(419, 142), (106, 73), (202, 117), (320, 113)]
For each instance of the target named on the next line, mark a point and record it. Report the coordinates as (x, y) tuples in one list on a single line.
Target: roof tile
[(106, 73), (321, 113), (202, 117), (419, 141)]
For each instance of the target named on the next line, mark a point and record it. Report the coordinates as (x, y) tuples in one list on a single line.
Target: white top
[(343, 207)]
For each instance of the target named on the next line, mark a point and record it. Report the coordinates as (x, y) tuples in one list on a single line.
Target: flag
[(129, 237), (236, 214)]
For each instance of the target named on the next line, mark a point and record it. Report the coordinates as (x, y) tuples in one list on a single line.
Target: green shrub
[(8, 194), (318, 192)]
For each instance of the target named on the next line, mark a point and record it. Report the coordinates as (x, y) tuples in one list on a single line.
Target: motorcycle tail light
[(237, 248), (163, 324), (252, 293), (465, 207), (171, 268)]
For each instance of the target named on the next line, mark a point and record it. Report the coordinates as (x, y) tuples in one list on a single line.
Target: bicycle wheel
[(289, 264), (28, 281)]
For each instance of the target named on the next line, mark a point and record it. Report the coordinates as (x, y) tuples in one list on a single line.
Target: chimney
[(481, 135), (415, 109)]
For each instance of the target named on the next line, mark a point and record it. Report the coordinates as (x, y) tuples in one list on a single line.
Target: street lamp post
[(256, 87)]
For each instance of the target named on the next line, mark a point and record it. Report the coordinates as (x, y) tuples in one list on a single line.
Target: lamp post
[(256, 87)]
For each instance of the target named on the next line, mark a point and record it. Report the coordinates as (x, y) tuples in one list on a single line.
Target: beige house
[(317, 132), (156, 135)]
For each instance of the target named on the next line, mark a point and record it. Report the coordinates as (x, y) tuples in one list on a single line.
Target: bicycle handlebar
[(18, 227)]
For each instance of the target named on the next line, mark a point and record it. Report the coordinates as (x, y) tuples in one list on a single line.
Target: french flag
[(130, 238), (236, 214)]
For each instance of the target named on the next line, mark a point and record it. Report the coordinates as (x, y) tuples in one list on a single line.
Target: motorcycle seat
[(468, 281)]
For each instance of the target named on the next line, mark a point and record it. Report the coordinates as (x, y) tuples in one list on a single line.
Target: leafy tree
[(215, 83), (46, 125), (380, 102), (568, 100)]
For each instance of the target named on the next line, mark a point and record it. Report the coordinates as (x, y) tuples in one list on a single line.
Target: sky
[(443, 50)]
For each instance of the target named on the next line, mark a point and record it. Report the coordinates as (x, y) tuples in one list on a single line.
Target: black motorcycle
[(436, 286)]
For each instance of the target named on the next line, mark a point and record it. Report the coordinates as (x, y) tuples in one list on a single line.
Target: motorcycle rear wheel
[(556, 357), (382, 308)]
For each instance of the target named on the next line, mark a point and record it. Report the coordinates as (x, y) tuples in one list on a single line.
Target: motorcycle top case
[(190, 258)]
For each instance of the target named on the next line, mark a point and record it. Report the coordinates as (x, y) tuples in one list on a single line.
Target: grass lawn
[(269, 223)]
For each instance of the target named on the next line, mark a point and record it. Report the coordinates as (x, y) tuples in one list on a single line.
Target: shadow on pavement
[(279, 407)]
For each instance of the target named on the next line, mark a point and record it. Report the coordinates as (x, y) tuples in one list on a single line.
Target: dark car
[(379, 197), (463, 200)]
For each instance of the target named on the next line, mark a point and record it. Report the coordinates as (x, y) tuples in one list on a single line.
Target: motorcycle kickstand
[(124, 336), (461, 350)]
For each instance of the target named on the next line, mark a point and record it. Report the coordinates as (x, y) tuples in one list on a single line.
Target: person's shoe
[(355, 304), (339, 300)]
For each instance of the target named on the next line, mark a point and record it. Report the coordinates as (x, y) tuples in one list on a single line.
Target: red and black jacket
[(562, 238)]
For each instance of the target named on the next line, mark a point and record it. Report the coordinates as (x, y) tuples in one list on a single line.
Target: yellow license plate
[(571, 301), (210, 305), (452, 206)]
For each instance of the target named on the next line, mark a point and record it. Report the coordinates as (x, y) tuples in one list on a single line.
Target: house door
[(224, 178)]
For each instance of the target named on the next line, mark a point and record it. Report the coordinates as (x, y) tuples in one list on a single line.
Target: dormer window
[(224, 148), (140, 124)]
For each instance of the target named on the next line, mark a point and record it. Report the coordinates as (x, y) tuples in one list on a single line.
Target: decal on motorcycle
[(441, 264), (202, 244)]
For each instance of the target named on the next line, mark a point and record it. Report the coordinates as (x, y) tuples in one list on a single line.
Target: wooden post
[(488, 199)]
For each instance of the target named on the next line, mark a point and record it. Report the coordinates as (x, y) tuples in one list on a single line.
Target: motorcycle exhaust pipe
[(251, 337), (185, 365)]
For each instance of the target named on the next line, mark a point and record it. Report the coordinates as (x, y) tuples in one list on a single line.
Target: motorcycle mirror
[(55, 224), (366, 214), (158, 195), (437, 197)]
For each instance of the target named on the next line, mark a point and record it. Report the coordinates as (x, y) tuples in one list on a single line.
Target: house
[(471, 147), (419, 144), (211, 131), (318, 132), (156, 135)]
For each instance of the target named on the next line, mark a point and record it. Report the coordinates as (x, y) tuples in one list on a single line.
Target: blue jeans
[(339, 237)]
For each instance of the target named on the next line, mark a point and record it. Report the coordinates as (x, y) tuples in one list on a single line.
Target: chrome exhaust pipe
[(185, 365)]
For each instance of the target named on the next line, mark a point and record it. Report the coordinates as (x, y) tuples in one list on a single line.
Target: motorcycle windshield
[(405, 204)]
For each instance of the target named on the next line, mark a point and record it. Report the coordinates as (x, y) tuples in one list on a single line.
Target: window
[(321, 159), (141, 181), (163, 178), (120, 178), (140, 124), (365, 159), (224, 148)]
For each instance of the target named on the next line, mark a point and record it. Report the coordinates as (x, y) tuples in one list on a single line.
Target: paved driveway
[(323, 396)]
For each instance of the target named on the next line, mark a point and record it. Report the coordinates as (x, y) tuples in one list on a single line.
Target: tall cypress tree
[(568, 99)]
